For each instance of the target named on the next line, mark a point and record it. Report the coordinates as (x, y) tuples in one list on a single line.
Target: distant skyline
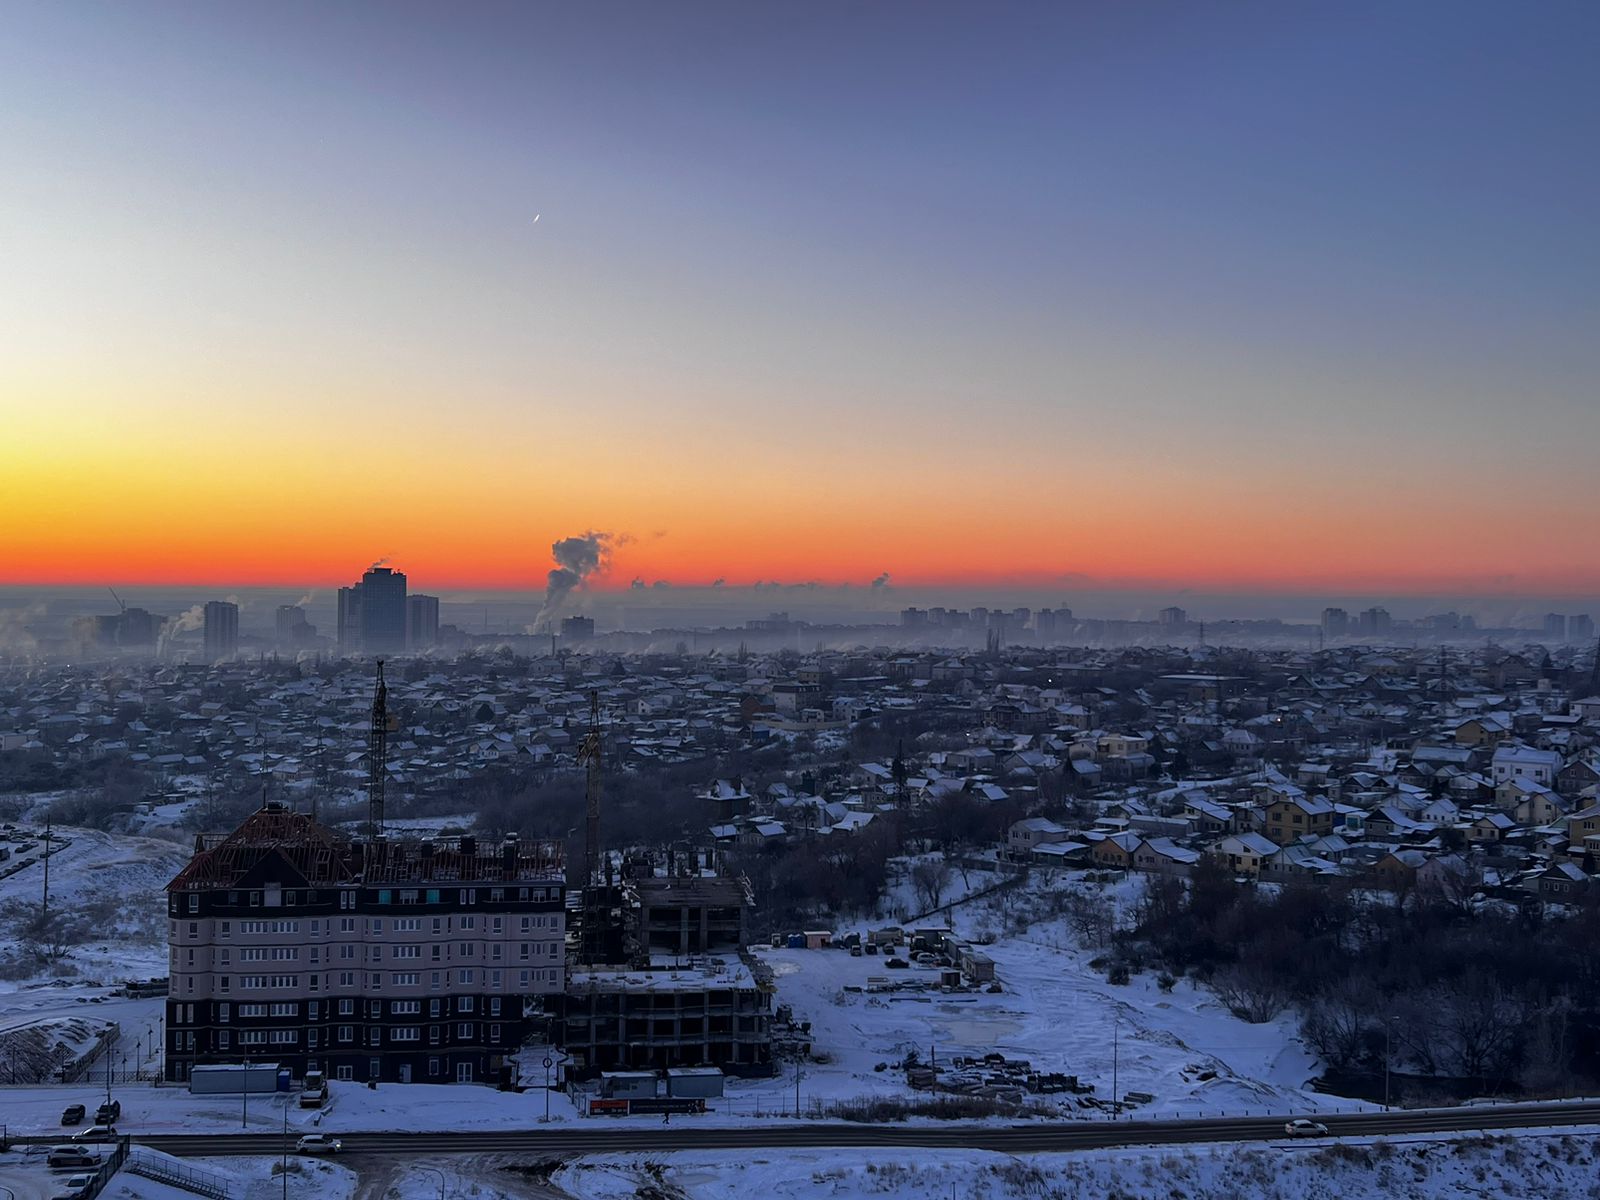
[(1239, 298)]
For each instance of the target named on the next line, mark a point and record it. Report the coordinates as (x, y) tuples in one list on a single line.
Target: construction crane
[(121, 607), (378, 754), (589, 755)]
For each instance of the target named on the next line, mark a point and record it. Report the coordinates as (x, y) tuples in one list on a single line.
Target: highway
[(603, 1135)]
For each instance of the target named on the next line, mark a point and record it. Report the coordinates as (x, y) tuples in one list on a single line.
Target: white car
[(1305, 1127), (317, 1143)]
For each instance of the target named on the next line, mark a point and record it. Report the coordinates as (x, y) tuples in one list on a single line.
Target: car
[(70, 1156), (1305, 1127), (96, 1133), (108, 1113), (77, 1185), (72, 1114), (318, 1143)]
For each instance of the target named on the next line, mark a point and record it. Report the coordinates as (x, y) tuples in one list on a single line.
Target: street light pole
[(1388, 1027), (285, 1171), (1116, 1029)]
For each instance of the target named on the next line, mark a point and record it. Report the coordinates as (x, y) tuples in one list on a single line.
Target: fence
[(109, 1166)]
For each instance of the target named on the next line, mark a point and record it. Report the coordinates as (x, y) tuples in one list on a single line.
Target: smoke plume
[(882, 581), (718, 582), (185, 622), (576, 558)]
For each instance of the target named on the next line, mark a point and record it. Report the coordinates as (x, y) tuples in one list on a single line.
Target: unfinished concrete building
[(676, 988)]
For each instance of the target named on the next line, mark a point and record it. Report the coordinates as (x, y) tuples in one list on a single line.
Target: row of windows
[(261, 954), (467, 924), (349, 979), (348, 897), (183, 1014), (466, 1031)]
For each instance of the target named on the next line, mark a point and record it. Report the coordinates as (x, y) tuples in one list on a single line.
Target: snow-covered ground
[(1183, 1047), (1555, 1167)]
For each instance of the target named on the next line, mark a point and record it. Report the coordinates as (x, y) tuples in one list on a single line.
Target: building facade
[(401, 960), (221, 630)]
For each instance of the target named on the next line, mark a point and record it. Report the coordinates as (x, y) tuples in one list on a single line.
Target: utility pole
[(44, 904), (1116, 1029), (285, 1169)]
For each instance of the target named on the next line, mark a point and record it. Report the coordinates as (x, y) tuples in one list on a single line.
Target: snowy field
[(1183, 1047), (1553, 1167)]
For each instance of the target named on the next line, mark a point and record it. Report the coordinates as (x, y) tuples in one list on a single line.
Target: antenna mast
[(377, 754)]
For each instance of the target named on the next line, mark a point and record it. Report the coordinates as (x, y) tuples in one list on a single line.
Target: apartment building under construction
[(669, 983)]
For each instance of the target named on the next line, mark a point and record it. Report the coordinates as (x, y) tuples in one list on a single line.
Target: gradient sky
[(1272, 296)]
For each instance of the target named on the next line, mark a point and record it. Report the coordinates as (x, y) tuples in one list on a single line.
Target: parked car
[(96, 1133), (77, 1185), (70, 1156), (72, 1114), (318, 1143), (108, 1113), (1305, 1127)]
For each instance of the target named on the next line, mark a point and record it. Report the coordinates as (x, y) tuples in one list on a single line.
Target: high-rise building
[(1044, 625), (1335, 622), (577, 629), (395, 959), (913, 618), (221, 630), (422, 621), (349, 631), (1555, 627), (1580, 627), (1173, 616), (1375, 622), (383, 611), (293, 628), (373, 614)]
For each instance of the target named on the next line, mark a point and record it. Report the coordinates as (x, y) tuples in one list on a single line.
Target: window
[(408, 896), (469, 922), (433, 1007), (227, 929), (401, 1008), (464, 977), (347, 979), (347, 952), (252, 1010), (346, 1033), (347, 900), (408, 924), (494, 952), (527, 923), (522, 951), (435, 954), (377, 954), (469, 895), (344, 1074), (194, 902), (433, 981), (347, 924), (464, 1031), (223, 980), (285, 1009), (346, 1007), (497, 895), (496, 924), (494, 1033), (285, 1037), (377, 924), (464, 1004), (405, 1033), (222, 1011), (408, 951), (494, 1006), (313, 1010), (466, 949), (255, 899), (384, 895), (224, 1039), (433, 896), (438, 923), (194, 928), (404, 979), (224, 961), (433, 1066)]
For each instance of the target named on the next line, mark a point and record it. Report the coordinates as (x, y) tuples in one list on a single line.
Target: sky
[(1256, 297)]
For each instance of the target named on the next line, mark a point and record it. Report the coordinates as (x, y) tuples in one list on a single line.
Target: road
[(600, 1135)]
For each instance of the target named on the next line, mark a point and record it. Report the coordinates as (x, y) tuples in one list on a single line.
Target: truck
[(314, 1090)]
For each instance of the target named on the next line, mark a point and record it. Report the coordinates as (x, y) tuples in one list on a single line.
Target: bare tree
[(930, 877)]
